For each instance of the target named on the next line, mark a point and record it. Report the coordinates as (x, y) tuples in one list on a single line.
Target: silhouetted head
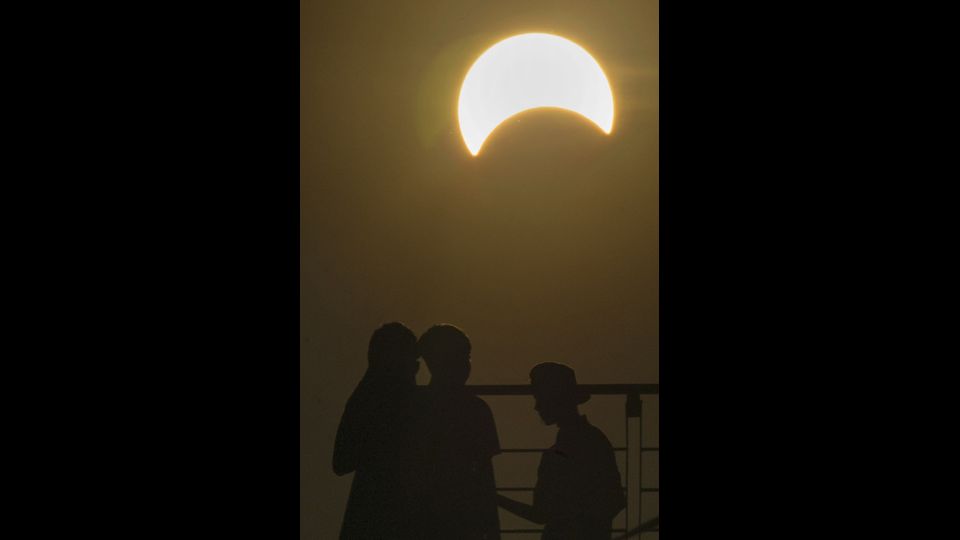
[(446, 350), (393, 352), (556, 392)]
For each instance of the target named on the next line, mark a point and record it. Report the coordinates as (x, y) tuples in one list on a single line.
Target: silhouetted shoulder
[(489, 441), (597, 437), (454, 484), (456, 425), (583, 437)]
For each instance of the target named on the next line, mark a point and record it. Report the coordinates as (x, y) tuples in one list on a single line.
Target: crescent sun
[(529, 71)]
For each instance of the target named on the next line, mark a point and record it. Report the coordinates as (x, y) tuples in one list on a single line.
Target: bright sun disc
[(526, 72)]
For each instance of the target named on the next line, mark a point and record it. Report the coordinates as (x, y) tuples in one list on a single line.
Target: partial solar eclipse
[(526, 72)]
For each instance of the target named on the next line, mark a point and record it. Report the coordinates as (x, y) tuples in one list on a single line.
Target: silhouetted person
[(578, 490), (457, 439), (374, 438)]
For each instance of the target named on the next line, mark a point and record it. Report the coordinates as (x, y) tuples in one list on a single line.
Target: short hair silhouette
[(391, 342), (446, 350), (444, 341)]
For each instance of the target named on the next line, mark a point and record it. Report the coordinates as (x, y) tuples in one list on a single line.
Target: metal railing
[(633, 408)]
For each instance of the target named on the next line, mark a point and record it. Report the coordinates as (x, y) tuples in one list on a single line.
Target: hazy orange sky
[(542, 248)]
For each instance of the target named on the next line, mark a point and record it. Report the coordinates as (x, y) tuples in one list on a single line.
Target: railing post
[(634, 409), (626, 473), (640, 460)]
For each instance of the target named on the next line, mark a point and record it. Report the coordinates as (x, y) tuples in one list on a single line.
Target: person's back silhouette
[(457, 439), (374, 438), (578, 491)]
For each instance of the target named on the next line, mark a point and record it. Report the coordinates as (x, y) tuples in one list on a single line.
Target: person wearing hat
[(578, 491)]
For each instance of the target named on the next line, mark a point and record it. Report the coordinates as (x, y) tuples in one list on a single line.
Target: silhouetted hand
[(523, 510)]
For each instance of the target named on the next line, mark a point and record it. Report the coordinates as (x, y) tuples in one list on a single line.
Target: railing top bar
[(535, 450), (534, 489), (531, 531), (598, 389)]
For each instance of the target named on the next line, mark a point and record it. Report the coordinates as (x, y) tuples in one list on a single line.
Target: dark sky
[(542, 248)]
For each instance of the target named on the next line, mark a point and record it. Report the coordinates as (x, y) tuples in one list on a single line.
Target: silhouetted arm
[(347, 446), (647, 526), (543, 494), (491, 517), (489, 446), (526, 511)]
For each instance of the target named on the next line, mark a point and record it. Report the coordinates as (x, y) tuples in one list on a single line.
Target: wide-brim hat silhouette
[(559, 380)]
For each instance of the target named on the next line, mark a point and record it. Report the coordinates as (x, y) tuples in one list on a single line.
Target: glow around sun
[(526, 72)]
